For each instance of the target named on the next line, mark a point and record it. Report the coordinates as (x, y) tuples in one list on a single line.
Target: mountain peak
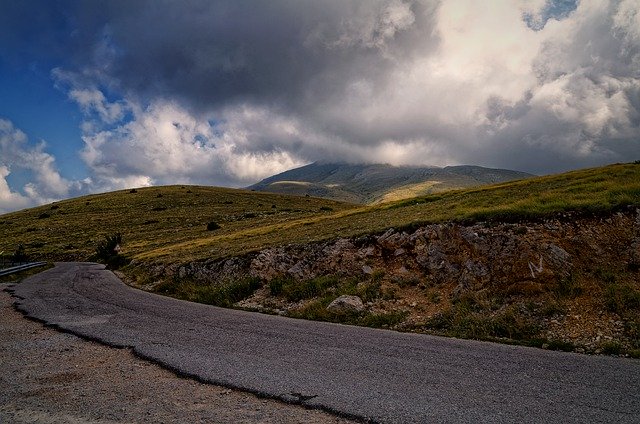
[(373, 183)]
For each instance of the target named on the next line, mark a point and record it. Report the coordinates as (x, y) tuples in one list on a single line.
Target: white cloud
[(514, 83), (10, 200), (46, 183), (164, 144), (93, 100)]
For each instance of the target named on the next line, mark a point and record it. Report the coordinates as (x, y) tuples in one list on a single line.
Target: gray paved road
[(375, 374)]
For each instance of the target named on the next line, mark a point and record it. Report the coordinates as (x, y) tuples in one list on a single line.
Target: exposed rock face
[(346, 304), (471, 256), (549, 277)]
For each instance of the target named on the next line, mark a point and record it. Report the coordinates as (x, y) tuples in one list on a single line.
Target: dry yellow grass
[(172, 228)]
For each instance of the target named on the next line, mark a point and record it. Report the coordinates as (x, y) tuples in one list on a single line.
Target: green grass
[(225, 294), (471, 320), (329, 287), (153, 219), (316, 310), (169, 224), (622, 299), (294, 290)]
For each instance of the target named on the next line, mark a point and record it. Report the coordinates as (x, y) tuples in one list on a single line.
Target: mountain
[(379, 183)]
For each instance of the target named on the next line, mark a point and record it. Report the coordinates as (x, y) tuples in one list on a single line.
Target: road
[(378, 375)]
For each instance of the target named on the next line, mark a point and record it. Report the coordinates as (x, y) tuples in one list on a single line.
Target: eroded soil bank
[(569, 282)]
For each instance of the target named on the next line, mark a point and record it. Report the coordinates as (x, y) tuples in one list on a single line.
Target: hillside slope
[(379, 183), (549, 261), (168, 224), (150, 218)]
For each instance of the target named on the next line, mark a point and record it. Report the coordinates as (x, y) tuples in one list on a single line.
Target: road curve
[(379, 375)]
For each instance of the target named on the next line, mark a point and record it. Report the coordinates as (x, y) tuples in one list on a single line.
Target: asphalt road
[(373, 374)]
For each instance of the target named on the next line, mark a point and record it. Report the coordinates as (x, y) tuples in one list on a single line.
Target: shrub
[(276, 286), (568, 288), (562, 345), (621, 298), (213, 226), (108, 251), (611, 348), (19, 255), (388, 319), (224, 295), (44, 215), (606, 276), (460, 321), (295, 291)]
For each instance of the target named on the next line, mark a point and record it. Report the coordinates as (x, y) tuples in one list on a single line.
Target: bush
[(19, 255), (276, 285), (213, 226), (611, 348), (295, 291), (108, 252), (224, 295), (568, 288), (460, 321), (621, 298)]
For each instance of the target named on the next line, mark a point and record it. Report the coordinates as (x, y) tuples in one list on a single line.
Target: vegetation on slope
[(594, 190), (169, 224), (150, 218), (182, 224)]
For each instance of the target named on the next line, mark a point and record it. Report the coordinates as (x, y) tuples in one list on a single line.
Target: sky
[(104, 95)]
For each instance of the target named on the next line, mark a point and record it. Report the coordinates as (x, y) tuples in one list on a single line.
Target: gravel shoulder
[(50, 377)]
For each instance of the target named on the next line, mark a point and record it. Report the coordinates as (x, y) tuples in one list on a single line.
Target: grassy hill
[(594, 308), (169, 224), (380, 183), (150, 219)]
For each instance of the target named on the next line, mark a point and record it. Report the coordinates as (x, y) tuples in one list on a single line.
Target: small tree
[(108, 251), (19, 255)]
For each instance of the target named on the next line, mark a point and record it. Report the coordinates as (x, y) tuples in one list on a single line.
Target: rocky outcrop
[(471, 256)]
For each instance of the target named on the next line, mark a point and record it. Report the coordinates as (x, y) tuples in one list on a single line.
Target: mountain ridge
[(376, 183)]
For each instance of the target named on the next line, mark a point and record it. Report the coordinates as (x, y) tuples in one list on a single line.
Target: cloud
[(451, 82), (164, 144), (216, 92), (45, 184)]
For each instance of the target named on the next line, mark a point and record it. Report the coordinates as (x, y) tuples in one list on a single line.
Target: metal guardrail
[(22, 267)]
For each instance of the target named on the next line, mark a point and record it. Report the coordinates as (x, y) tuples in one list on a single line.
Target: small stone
[(346, 304), (367, 270)]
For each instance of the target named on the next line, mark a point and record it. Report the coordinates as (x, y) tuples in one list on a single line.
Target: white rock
[(346, 304)]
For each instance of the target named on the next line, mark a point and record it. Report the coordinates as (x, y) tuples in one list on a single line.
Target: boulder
[(346, 304)]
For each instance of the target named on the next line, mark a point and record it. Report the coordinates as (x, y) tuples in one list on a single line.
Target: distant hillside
[(380, 183)]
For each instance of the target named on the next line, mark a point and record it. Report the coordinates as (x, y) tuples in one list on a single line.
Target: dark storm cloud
[(234, 90), (281, 53)]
